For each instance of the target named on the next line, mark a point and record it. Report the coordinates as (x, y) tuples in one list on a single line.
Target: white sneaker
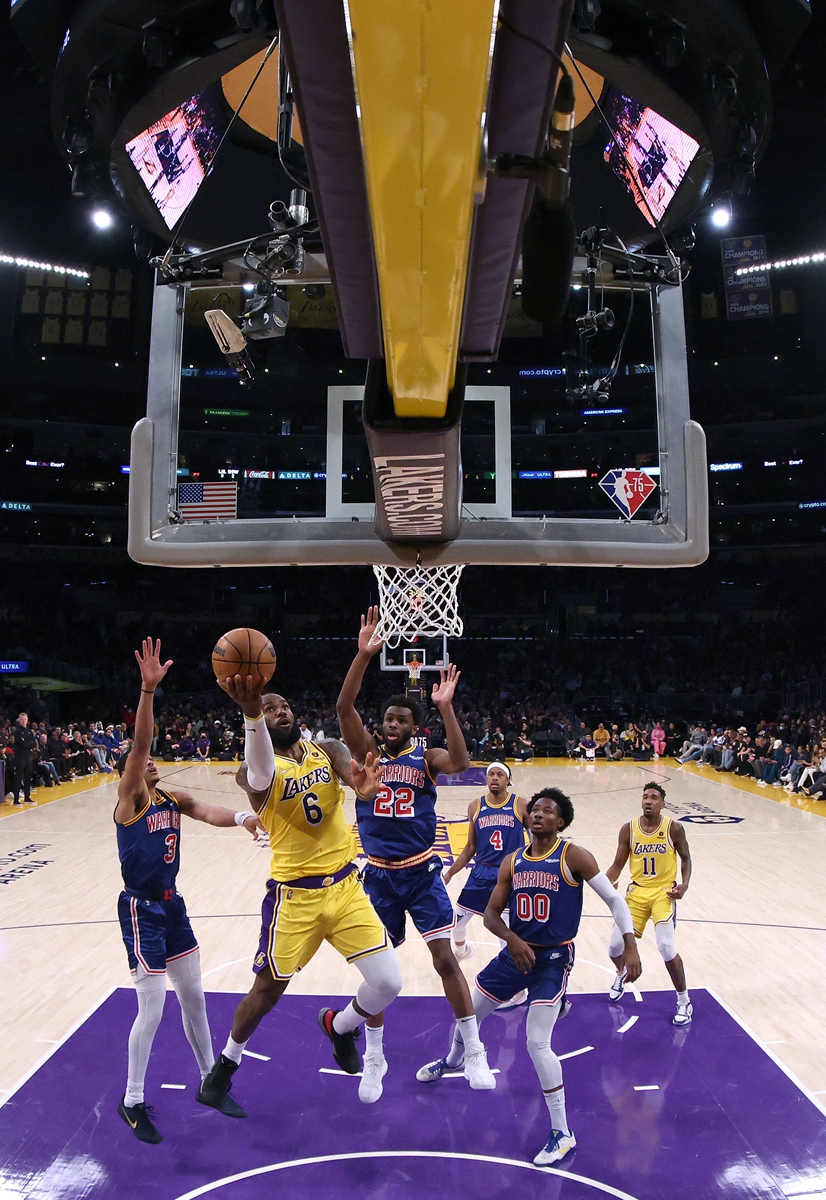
[(514, 1001), (373, 1072), (465, 952), (617, 987), (684, 1013), (478, 1073), (559, 1144)]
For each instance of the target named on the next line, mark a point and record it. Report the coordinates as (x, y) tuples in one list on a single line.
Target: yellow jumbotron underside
[(422, 69)]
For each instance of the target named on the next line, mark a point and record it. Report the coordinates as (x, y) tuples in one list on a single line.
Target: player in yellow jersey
[(651, 845), (315, 893)]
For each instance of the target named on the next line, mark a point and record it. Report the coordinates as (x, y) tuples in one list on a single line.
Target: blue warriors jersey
[(150, 848), (401, 822), (499, 831), (546, 900)]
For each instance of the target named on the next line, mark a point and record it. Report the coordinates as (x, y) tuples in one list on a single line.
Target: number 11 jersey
[(401, 822), (653, 859)]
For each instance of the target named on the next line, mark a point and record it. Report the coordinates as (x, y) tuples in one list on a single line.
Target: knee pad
[(664, 933), (617, 943)]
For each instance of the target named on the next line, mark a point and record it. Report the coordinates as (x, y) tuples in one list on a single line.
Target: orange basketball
[(244, 652)]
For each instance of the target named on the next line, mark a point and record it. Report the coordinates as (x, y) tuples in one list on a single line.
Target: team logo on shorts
[(260, 959), (627, 488)]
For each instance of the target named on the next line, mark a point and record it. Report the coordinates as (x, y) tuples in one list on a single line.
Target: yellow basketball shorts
[(295, 921), (648, 904)]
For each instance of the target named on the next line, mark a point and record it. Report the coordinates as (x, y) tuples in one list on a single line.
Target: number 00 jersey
[(401, 822), (499, 831), (546, 900), (150, 848), (304, 816), (653, 859)]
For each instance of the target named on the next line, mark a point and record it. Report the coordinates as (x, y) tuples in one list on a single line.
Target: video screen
[(173, 156), (652, 156)]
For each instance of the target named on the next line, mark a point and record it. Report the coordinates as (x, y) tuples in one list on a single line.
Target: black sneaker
[(344, 1044), (137, 1118), (215, 1088)]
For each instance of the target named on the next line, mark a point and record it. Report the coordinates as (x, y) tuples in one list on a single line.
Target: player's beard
[(282, 739)]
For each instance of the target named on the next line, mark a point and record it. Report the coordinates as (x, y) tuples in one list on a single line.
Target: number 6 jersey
[(304, 816), (400, 823)]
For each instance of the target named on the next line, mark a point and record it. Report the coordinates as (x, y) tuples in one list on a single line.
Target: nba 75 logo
[(627, 488)]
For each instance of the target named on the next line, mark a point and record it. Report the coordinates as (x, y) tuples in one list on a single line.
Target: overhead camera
[(266, 316)]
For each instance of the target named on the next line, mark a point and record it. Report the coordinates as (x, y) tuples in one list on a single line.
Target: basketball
[(244, 652)]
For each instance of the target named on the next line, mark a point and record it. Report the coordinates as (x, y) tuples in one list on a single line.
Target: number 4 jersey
[(400, 823), (304, 816)]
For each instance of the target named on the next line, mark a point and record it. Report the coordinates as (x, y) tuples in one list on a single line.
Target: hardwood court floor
[(751, 927)]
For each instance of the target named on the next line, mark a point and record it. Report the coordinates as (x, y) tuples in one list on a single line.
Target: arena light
[(802, 260), (102, 219), (34, 264), (721, 217)]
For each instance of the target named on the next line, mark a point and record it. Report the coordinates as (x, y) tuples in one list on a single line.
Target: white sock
[(233, 1050), (682, 997), (456, 1053), (463, 919), (556, 1108), (348, 1019), (469, 1033), (374, 1041)]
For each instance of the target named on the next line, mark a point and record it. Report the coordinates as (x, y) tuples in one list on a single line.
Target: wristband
[(240, 817), (258, 718), (148, 692)]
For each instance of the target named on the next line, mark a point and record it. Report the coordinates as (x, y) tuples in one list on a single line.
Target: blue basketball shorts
[(546, 982), (478, 890), (419, 891), (155, 932)]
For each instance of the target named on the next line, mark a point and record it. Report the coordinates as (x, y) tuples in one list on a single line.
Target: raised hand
[(366, 779), (245, 692), (151, 667), (368, 628), (443, 690)]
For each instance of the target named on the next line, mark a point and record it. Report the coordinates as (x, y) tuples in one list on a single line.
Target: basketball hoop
[(417, 602), (414, 670)]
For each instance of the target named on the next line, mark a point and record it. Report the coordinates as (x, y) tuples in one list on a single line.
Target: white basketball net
[(417, 602)]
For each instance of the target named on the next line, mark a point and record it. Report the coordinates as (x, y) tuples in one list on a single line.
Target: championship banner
[(746, 296)]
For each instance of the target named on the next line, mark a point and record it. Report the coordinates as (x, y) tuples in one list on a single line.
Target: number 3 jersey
[(150, 848), (653, 859), (400, 823), (304, 816), (546, 900)]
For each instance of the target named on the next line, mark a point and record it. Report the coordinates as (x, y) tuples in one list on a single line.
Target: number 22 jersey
[(401, 822)]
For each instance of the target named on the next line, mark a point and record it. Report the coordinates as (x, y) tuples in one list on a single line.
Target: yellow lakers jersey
[(653, 859), (304, 816)]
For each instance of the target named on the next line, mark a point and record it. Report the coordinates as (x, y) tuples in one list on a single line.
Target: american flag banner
[(206, 501)]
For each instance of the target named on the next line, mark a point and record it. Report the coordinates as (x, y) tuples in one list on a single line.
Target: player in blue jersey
[(397, 830), (541, 885), (159, 940), (496, 827)]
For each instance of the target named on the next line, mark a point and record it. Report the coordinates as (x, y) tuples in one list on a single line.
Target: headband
[(502, 767)]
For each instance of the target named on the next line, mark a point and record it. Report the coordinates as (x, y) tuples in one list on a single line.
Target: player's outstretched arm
[(455, 758), (362, 779), (621, 857), (214, 814), (470, 845), (132, 789), (678, 837), (582, 864), (258, 754), (358, 740), (520, 951)]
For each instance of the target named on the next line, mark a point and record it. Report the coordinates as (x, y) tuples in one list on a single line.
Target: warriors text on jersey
[(653, 859), (546, 900), (401, 822), (499, 830), (304, 816), (150, 848)]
